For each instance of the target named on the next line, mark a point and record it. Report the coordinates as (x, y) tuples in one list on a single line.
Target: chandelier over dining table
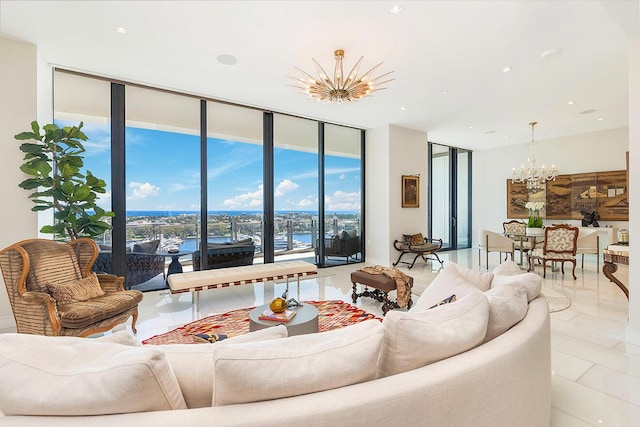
[(533, 175), (341, 88)]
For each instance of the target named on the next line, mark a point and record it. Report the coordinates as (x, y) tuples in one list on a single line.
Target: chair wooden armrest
[(41, 309), (111, 282)]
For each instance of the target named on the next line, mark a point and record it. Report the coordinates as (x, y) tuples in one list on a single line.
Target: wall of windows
[(183, 169)]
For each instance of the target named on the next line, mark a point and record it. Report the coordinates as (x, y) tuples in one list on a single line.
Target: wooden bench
[(196, 281)]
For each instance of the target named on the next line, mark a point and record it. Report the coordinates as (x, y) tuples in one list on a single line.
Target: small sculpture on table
[(590, 218)]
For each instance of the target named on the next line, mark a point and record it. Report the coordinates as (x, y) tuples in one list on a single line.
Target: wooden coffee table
[(304, 322)]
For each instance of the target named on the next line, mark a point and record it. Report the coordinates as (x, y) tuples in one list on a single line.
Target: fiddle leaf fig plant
[(53, 160)]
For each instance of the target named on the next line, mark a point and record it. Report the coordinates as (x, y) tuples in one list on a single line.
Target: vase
[(535, 231)]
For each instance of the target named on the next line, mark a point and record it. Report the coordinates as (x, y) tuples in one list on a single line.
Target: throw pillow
[(531, 282), (447, 300), (413, 239), (79, 290), (147, 247), (416, 339), (449, 281), (69, 376), (480, 279), (507, 306), (296, 365), (193, 364)]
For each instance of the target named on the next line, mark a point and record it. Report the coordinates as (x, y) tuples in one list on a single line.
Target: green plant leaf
[(26, 136)]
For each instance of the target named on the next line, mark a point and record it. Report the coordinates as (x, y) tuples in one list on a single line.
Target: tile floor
[(596, 374)]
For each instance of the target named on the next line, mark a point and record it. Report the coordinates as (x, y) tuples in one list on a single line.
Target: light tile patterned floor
[(596, 374)]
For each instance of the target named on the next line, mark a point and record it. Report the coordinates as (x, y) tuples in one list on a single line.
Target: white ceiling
[(432, 46)]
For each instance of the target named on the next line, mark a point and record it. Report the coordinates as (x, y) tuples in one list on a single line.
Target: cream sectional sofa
[(425, 367)]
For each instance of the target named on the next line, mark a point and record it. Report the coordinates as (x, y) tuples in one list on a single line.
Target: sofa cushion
[(79, 376), (296, 365), (147, 247), (480, 279), (120, 337), (507, 306), (448, 282), (77, 290), (415, 339), (193, 364), (512, 273)]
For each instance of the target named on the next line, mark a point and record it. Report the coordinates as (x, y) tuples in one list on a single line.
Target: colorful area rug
[(331, 315)]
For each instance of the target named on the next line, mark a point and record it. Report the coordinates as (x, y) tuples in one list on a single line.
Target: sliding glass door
[(449, 196)]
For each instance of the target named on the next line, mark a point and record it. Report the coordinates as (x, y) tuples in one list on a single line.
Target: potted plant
[(53, 162), (535, 226)]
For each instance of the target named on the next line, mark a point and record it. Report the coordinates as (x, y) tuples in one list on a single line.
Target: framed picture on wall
[(410, 191)]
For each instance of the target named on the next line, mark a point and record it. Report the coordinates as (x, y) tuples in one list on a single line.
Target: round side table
[(304, 322)]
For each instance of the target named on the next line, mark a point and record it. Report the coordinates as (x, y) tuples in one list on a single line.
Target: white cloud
[(143, 190), (342, 176), (341, 201), (285, 186), (245, 200), (305, 203)]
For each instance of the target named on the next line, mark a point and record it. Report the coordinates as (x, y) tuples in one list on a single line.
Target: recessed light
[(227, 59), (403, 108), (587, 111), (550, 52), (571, 102), (119, 29), (446, 92), (490, 132), (506, 69), (507, 137), (470, 127), (396, 9), (600, 119)]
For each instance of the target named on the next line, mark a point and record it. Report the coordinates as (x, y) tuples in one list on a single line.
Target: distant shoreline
[(230, 213)]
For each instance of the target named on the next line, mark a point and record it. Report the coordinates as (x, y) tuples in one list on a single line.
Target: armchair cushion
[(77, 290), (83, 377), (84, 313)]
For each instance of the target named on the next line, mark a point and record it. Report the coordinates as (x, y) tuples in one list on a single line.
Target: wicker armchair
[(29, 269)]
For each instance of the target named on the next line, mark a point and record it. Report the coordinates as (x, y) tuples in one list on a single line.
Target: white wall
[(633, 334), (18, 107), (377, 195), (593, 152), (392, 152)]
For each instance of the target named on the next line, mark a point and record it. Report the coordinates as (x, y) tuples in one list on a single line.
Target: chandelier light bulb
[(340, 89)]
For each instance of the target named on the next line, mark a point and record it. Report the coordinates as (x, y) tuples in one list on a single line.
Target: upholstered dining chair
[(516, 231), (490, 241), (588, 243), (560, 244), (53, 292)]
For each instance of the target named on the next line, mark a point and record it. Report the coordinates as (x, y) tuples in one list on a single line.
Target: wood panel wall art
[(565, 198)]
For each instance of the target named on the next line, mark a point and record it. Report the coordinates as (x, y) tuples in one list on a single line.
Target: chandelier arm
[(353, 74), (365, 76), (324, 77), (381, 76), (338, 73), (306, 74)]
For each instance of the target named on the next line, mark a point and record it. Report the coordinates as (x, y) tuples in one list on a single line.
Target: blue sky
[(163, 173)]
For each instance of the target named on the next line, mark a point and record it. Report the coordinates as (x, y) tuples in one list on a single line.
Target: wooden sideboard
[(615, 267)]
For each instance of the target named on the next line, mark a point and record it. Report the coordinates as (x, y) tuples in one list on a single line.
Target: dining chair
[(490, 241), (560, 245)]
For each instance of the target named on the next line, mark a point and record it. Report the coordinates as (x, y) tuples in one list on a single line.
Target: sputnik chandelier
[(533, 175), (340, 89)]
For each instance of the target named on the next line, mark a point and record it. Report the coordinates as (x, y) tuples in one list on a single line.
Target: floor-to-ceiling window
[(449, 196), (189, 169), (295, 172), (342, 194)]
